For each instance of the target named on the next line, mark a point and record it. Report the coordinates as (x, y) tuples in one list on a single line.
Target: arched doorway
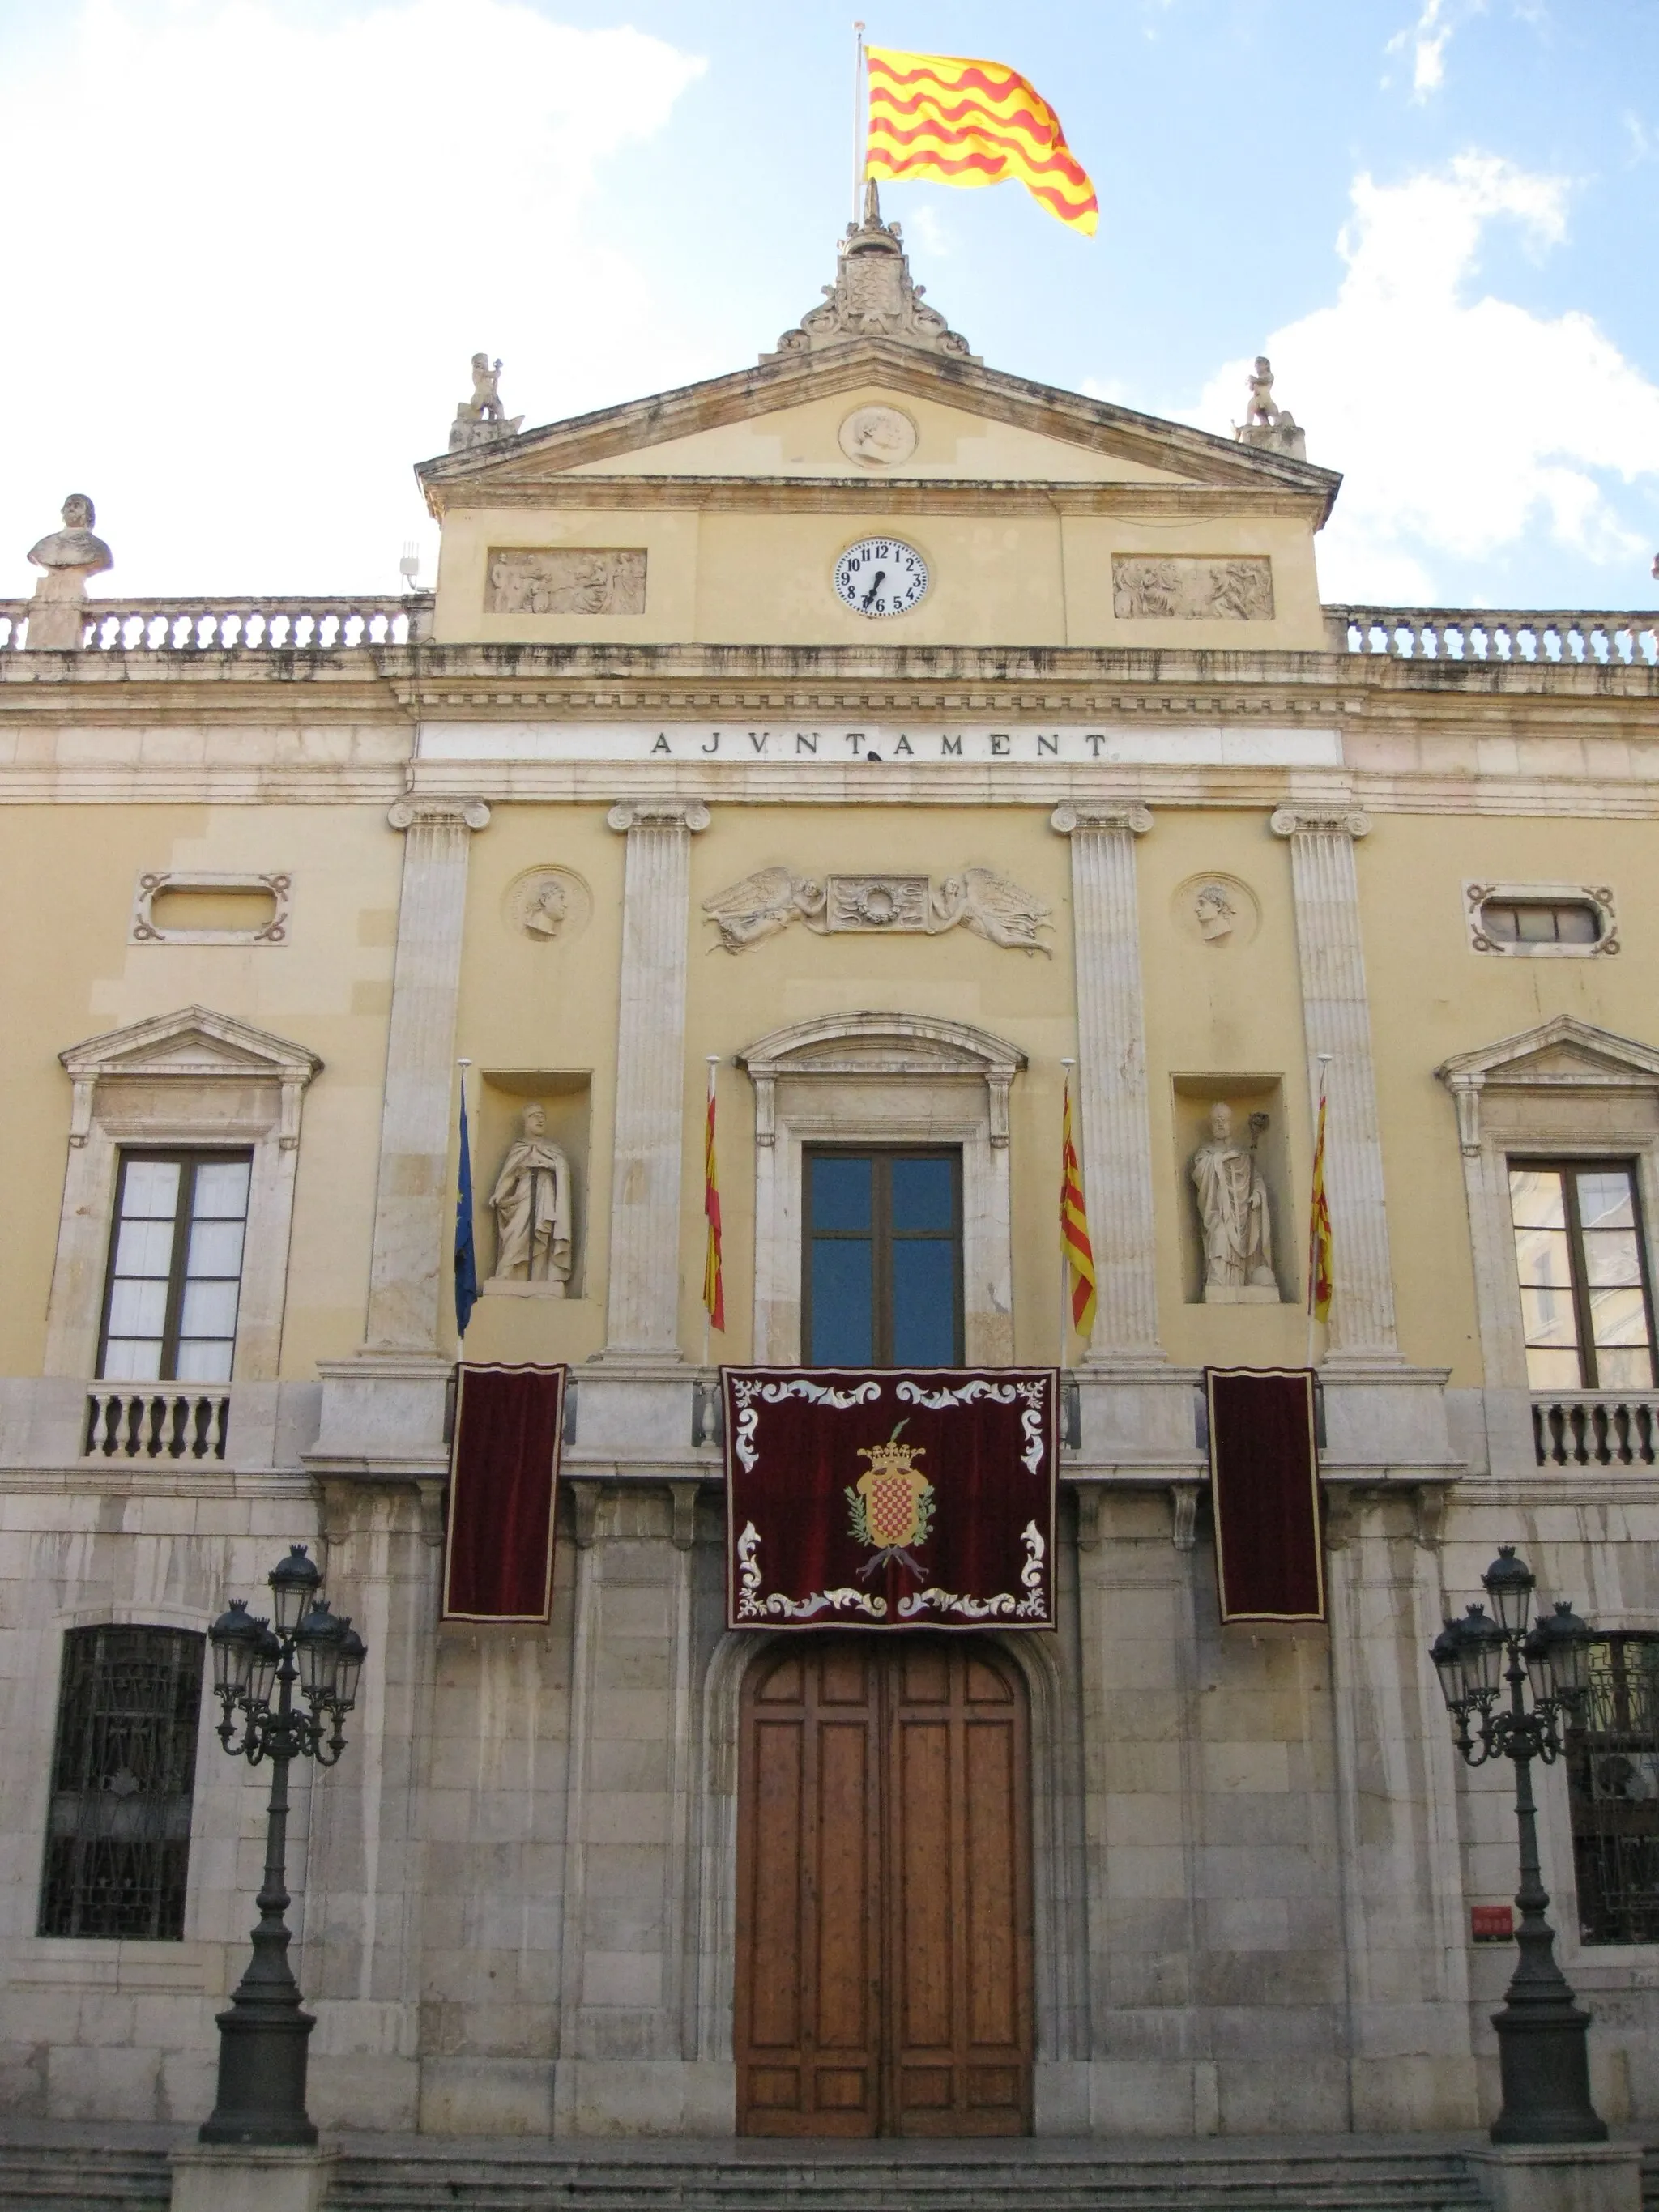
[(884, 1925)]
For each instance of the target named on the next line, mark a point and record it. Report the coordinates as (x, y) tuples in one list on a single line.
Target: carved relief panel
[(1179, 587), (565, 580)]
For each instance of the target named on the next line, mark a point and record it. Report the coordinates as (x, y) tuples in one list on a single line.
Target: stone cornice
[(890, 496)]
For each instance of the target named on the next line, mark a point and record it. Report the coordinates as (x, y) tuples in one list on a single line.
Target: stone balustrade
[(1590, 1428), (1493, 634), (158, 1421), (233, 625)]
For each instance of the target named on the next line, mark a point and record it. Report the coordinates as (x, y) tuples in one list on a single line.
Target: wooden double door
[(883, 1933)]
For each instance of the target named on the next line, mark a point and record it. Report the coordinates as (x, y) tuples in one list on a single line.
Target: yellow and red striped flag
[(959, 121), (714, 1282), (1076, 1250), (1319, 1228)]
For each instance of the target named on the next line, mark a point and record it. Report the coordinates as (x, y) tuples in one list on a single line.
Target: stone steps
[(63, 2178), (1032, 2178)]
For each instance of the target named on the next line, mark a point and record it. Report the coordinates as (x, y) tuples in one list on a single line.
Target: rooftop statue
[(1265, 423), (483, 419), (69, 557)]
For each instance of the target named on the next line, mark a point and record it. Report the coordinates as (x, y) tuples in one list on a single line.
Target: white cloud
[(1426, 40), (926, 229), (1464, 426), (252, 253)]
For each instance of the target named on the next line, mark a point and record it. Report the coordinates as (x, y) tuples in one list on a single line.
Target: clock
[(881, 576)]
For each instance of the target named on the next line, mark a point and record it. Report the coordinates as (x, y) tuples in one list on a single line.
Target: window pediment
[(881, 1046), (1560, 1059), (194, 1045)]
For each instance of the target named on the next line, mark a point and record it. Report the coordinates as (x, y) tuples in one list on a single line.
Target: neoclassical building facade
[(888, 731)]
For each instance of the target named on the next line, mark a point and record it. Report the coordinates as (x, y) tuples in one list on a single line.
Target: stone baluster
[(643, 1310), (412, 1197), (1336, 1019), (1111, 1043)]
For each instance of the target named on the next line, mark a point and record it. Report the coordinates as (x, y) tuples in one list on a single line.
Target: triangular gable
[(1563, 1056), (195, 1042), (667, 423)]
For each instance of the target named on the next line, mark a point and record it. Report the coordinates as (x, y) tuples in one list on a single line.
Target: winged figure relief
[(992, 907), (763, 904)]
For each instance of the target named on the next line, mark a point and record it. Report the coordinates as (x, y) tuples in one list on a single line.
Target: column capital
[(657, 814), (1320, 821), (1068, 819), (454, 813)]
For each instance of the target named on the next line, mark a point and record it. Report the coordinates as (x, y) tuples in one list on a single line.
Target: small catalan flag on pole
[(1077, 1253), (1319, 1223), (958, 121), (713, 1283)]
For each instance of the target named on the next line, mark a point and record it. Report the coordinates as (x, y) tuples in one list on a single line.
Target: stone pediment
[(195, 1042), (881, 1044), (1564, 1056)]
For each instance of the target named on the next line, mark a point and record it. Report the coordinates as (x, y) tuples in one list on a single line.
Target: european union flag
[(466, 1265)]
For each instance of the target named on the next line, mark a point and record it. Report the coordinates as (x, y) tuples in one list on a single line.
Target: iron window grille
[(175, 1268), (1613, 1790), (123, 1769), (882, 1257), (1586, 1307)]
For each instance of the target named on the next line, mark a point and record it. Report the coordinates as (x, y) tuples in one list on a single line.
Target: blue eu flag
[(466, 1268)]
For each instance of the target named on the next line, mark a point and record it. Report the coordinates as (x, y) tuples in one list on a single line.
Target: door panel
[(884, 1921)]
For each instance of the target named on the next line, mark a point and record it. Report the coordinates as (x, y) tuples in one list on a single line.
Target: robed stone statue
[(532, 1209), (1232, 1208)]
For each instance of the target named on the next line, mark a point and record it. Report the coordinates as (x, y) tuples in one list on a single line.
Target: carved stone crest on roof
[(872, 297), (481, 420)]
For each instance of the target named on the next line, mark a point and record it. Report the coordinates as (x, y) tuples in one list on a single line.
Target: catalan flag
[(1076, 1250), (961, 122), (1319, 1228), (713, 1283)]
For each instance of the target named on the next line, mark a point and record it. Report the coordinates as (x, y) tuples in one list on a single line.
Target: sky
[(253, 243)]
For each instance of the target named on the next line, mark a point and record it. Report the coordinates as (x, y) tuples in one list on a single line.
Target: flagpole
[(1065, 1261), (858, 122), (714, 1063), (461, 1333), (1324, 1060)]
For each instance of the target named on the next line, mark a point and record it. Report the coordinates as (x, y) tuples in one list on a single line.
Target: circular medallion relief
[(548, 904), (881, 576), (1216, 910), (878, 437)]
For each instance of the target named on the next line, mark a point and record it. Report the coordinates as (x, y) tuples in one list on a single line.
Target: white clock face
[(881, 576)]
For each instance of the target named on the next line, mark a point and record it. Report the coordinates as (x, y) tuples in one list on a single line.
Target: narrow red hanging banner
[(503, 1470), (1264, 1478)]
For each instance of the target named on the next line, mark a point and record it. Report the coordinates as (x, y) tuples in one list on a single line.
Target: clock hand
[(881, 578)]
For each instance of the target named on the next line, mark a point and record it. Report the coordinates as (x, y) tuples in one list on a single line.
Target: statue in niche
[(1233, 1211), (1214, 913), (69, 557), (531, 1205)]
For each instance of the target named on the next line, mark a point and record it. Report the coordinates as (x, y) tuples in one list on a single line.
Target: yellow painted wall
[(67, 877)]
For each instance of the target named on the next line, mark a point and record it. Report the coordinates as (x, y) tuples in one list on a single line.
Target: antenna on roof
[(409, 567)]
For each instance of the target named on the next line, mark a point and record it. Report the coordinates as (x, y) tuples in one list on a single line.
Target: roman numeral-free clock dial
[(881, 576)]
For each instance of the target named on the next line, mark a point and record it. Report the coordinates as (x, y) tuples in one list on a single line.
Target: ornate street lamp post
[(1540, 2031), (263, 2037)]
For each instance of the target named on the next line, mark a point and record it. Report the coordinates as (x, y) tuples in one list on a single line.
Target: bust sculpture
[(531, 1205), (1233, 1212), (1213, 912), (69, 557), (546, 909)]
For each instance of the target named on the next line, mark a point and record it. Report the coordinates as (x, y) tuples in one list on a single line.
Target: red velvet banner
[(885, 1498), (1264, 1478), (503, 1466)]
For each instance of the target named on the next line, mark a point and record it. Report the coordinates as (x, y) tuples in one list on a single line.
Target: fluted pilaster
[(412, 1198), (1336, 1019), (1111, 1043), (642, 1314)]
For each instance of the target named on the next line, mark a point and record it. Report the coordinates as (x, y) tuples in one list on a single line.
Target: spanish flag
[(963, 122), (1076, 1250), (713, 1283), (1319, 1227)]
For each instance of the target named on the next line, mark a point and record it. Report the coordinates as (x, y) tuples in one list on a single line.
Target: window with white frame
[(1585, 1311), (175, 1268)]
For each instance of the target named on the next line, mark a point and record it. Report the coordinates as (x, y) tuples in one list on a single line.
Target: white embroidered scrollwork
[(1034, 1605), (751, 1605), (1000, 1393), (971, 1608), (746, 1389)]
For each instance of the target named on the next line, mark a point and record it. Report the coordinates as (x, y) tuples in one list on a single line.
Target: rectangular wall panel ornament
[(503, 1472), (890, 1498)]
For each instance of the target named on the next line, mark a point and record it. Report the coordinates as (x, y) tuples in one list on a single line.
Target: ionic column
[(412, 1197), (1111, 1044), (1336, 1019), (643, 1305)]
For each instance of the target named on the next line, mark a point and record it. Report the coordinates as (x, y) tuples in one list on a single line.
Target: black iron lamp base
[(1546, 2074), (262, 2079)]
